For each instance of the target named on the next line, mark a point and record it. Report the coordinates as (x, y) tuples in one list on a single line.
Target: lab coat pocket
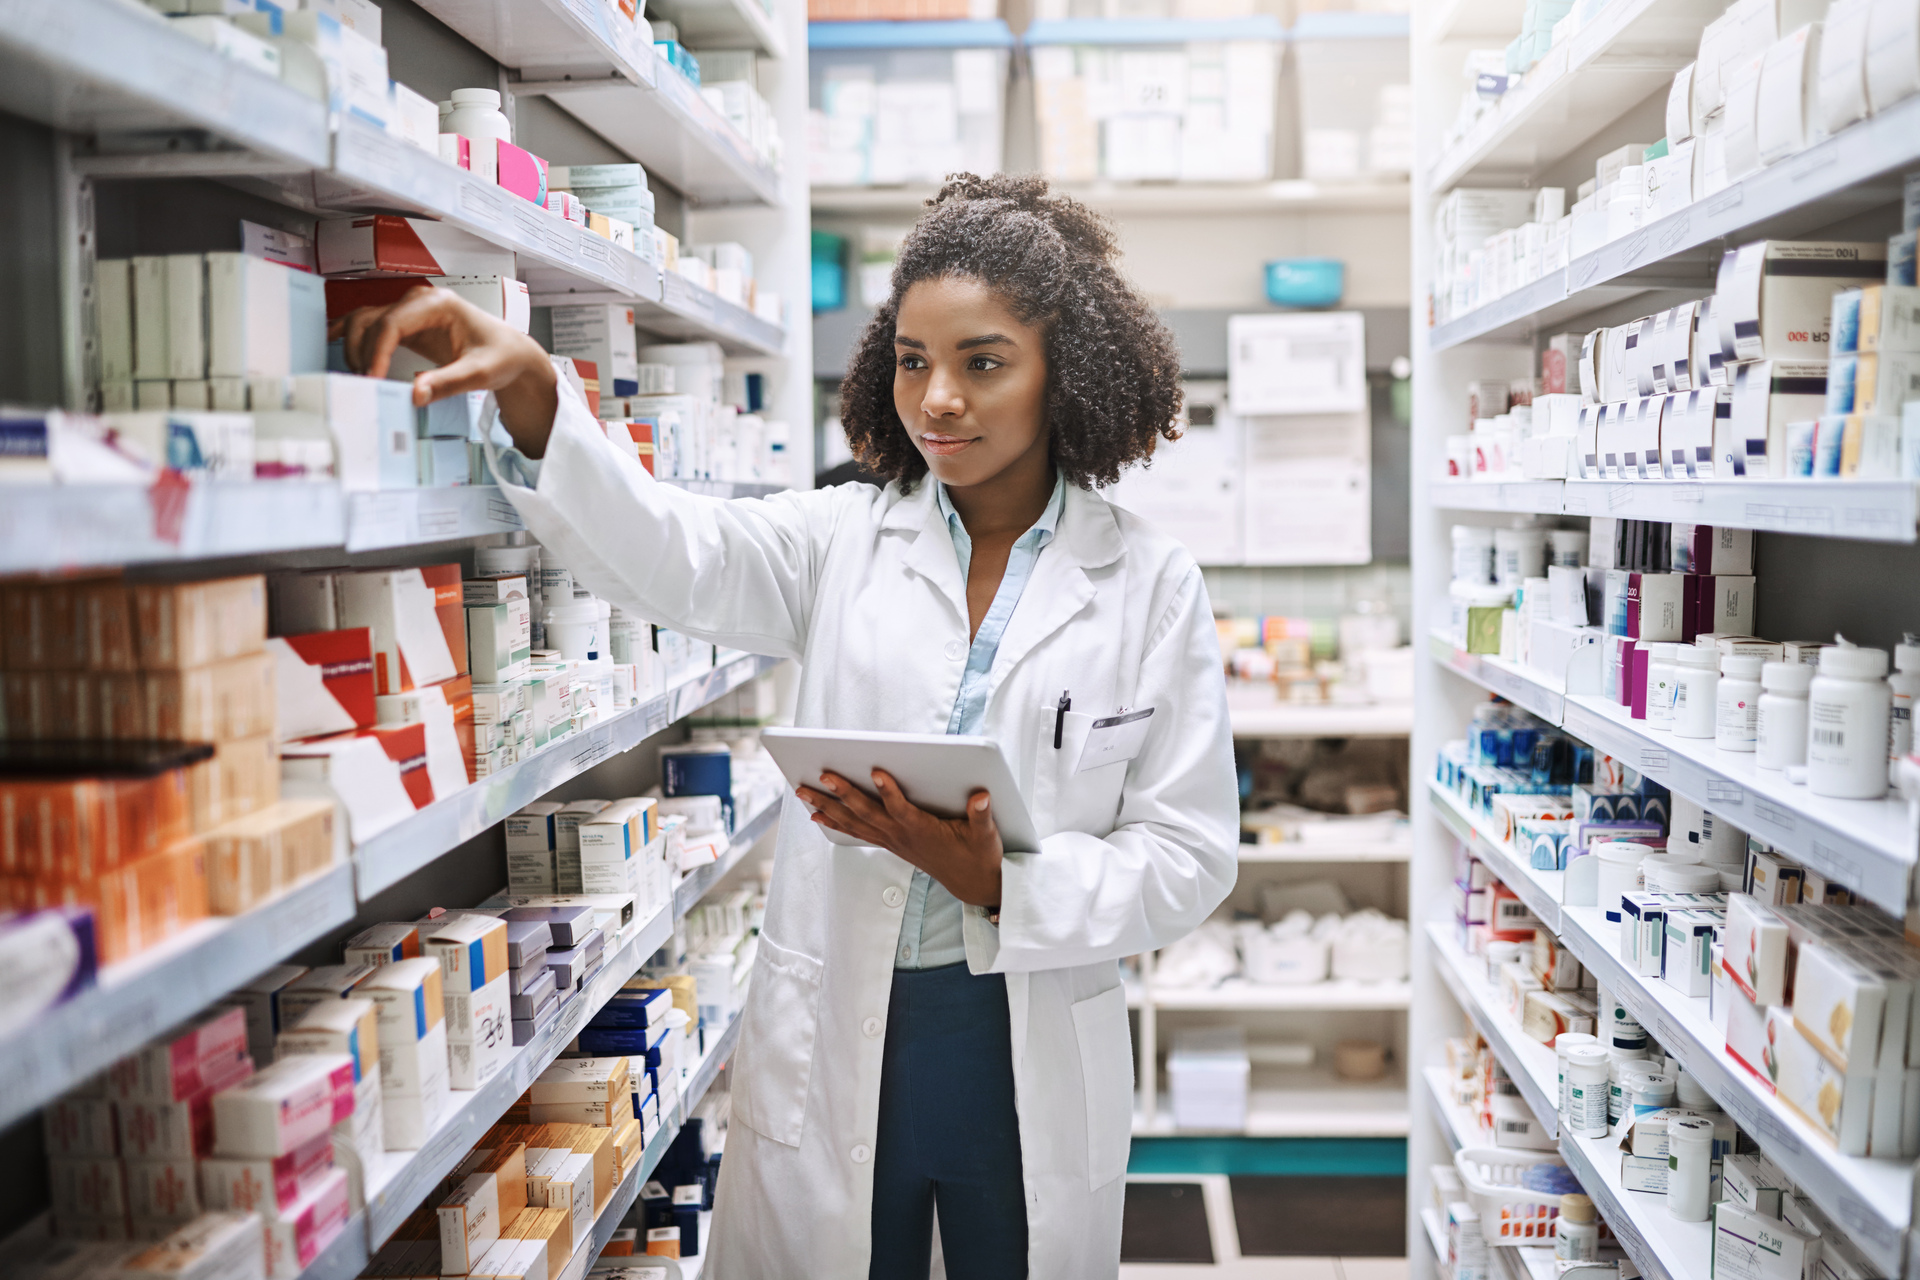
[(1106, 1068), (1066, 800), (776, 1043)]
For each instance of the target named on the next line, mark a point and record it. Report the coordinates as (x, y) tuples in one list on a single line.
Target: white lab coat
[(863, 588)]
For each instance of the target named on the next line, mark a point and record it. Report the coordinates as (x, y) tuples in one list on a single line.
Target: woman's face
[(969, 380)]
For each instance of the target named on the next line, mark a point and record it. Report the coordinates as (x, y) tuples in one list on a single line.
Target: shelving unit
[(389, 856), (133, 100), (1237, 995), (1257, 713), (1314, 1104)]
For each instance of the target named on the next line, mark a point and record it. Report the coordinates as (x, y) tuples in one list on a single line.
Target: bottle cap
[(1786, 677), (476, 98), (1688, 1093), (1849, 661), (1577, 1208), (1740, 666), (1692, 655)]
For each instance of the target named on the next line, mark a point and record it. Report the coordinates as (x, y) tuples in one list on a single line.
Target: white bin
[(892, 103), (1356, 102), (1207, 1073), (1156, 99)]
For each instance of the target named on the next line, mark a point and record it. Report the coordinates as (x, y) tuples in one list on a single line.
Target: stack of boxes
[(149, 839)]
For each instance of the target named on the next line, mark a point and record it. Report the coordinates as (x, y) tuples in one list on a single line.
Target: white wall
[(1215, 260)]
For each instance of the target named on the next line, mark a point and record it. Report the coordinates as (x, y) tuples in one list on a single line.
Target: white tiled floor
[(1273, 1269)]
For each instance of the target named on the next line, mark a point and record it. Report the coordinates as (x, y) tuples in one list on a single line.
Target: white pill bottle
[(1849, 709)]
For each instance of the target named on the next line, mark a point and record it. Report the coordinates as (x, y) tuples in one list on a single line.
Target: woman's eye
[(983, 364), (912, 362)]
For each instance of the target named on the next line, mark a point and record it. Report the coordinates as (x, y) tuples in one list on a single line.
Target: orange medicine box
[(191, 624), (252, 858), (224, 699)]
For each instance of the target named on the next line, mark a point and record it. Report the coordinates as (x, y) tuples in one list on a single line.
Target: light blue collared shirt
[(930, 933)]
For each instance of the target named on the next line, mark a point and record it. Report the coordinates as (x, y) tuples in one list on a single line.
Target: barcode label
[(1830, 737)]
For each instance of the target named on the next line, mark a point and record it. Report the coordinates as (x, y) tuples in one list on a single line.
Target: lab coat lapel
[(1088, 538), (931, 554)]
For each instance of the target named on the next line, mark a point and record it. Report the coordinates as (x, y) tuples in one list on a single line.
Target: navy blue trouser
[(948, 1131)]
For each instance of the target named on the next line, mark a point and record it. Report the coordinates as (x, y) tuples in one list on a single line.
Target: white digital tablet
[(937, 771)]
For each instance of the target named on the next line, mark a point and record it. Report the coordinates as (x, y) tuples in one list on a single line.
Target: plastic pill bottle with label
[(1905, 682), (1576, 1234), (1736, 703), (1698, 687), (1567, 547), (1563, 1044), (1849, 708), (1780, 732), (1662, 676), (1689, 1166), (1473, 554), (476, 114), (1587, 1091)]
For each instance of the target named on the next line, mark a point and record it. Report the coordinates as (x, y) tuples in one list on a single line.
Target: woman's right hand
[(475, 352)]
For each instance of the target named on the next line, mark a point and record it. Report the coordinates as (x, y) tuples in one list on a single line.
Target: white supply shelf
[(1530, 1063), (1663, 1247), (688, 313), (1871, 1199), (1237, 995), (444, 825), (1258, 713), (722, 24), (1321, 852), (696, 884), (1852, 171), (577, 38), (1867, 510), (57, 527), (1519, 685), (1457, 1123), (1293, 195), (669, 128), (106, 67), (1867, 845), (1540, 890), (164, 985), (1312, 1104), (1629, 50), (1436, 1235)]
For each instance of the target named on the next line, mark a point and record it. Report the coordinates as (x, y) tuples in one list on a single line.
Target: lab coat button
[(892, 896), (956, 650), (871, 1026), (861, 1153)]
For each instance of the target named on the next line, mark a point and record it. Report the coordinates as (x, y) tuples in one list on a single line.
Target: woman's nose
[(943, 398)]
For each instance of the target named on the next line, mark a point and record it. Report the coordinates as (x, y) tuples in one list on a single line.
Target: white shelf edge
[(1454, 1121), (1436, 1233), (1278, 719), (1857, 510), (162, 986), (430, 833)]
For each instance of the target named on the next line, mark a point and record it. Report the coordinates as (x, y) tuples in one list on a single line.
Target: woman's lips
[(945, 446)]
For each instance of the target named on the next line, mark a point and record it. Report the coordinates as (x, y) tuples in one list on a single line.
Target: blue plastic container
[(1308, 283)]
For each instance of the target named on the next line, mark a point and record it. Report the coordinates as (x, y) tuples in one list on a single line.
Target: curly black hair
[(1113, 373)]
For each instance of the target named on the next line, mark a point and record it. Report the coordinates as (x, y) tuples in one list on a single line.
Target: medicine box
[(268, 1183), (1838, 1006), (296, 1235), (385, 245), (499, 644), (289, 1104), (1774, 297), (323, 682), (417, 621), (350, 1027), (1756, 1247), (383, 944)]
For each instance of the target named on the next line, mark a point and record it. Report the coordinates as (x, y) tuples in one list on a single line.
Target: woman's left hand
[(963, 854)]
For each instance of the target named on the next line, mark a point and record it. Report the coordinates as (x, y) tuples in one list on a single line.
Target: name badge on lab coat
[(1114, 739)]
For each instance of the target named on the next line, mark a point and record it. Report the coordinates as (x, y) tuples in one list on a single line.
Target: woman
[(932, 1024)]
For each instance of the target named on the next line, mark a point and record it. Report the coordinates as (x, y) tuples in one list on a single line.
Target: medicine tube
[(1696, 691), (1736, 713), (1576, 1233), (1781, 729), (1587, 1091), (1849, 709), (1689, 1166)]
